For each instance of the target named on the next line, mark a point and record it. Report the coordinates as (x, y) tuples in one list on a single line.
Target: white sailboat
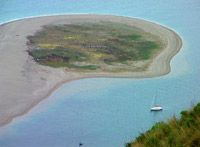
[(155, 107)]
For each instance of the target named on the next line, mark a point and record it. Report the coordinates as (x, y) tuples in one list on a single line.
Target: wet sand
[(23, 83)]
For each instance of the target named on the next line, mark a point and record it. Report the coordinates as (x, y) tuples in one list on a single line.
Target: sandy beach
[(23, 83)]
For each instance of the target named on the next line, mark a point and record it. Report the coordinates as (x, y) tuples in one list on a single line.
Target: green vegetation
[(174, 133), (92, 44), (65, 64)]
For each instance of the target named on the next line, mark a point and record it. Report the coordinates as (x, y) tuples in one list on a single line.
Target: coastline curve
[(25, 83)]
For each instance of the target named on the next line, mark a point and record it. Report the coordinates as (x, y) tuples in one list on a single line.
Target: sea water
[(106, 112)]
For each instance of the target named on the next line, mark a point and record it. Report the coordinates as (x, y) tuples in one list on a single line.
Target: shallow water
[(106, 112)]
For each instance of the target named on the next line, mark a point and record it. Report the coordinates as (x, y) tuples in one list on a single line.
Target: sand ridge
[(23, 83)]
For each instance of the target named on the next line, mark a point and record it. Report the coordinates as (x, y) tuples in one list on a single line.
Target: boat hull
[(158, 108)]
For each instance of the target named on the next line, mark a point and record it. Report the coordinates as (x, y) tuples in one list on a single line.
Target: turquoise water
[(109, 112)]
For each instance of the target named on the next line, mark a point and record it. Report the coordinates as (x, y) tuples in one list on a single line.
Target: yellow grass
[(48, 46), (70, 37), (102, 39)]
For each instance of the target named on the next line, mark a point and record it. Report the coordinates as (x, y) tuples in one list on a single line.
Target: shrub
[(197, 109), (127, 144), (184, 114), (157, 126), (189, 121), (140, 138), (151, 141)]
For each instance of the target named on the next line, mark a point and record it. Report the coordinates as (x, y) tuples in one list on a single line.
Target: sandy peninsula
[(24, 83)]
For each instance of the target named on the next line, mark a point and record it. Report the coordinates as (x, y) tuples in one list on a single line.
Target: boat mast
[(154, 100)]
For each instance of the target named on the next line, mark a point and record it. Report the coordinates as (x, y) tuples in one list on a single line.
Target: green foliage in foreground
[(183, 132)]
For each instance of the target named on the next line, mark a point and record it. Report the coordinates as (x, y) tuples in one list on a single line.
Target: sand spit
[(23, 83)]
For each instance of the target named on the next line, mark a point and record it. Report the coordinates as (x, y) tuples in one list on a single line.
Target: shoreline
[(32, 83)]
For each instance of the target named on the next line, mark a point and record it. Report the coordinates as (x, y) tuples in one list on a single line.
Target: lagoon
[(109, 112)]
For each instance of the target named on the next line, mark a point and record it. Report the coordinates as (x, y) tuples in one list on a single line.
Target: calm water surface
[(109, 112)]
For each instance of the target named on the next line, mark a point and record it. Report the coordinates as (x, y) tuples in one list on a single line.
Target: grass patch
[(88, 67), (130, 37), (92, 43), (124, 62), (70, 66)]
